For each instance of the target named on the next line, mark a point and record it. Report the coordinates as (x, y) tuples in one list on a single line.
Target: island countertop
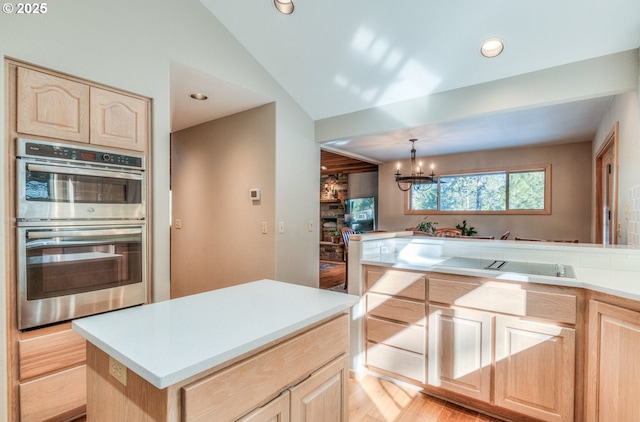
[(168, 342)]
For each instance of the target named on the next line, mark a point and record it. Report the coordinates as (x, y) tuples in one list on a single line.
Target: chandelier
[(417, 178)]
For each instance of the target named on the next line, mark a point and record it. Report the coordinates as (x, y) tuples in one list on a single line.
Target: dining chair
[(447, 232), (346, 232)]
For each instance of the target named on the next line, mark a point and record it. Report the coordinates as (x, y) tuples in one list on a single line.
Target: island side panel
[(108, 400)]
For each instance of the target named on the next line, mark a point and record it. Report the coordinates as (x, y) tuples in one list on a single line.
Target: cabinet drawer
[(506, 298), (408, 337), (63, 393), (401, 362), (396, 309), (232, 392), (397, 283), (52, 352)]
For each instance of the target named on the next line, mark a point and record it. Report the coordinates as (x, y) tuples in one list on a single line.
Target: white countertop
[(167, 342), (609, 269)]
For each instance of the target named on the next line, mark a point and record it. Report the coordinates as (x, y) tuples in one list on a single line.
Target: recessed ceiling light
[(284, 6), (199, 96), (492, 47)]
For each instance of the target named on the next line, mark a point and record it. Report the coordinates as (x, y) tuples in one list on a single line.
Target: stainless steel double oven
[(81, 231)]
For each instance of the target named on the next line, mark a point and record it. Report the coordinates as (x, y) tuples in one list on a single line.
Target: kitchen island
[(226, 354)]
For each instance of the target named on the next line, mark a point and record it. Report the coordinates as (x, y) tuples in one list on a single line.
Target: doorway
[(607, 190)]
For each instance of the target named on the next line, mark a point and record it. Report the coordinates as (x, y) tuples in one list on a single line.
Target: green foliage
[(483, 192), (466, 231), (335, 233), (426, 225)]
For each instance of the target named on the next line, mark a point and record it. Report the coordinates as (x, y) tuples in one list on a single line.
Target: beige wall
[(570, 216), (213, 167)]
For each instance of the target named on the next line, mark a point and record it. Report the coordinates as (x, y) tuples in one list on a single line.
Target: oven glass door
[(64, 271), (55, 191)]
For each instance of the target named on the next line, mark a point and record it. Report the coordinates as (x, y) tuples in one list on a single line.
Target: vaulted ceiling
[(340, 60)]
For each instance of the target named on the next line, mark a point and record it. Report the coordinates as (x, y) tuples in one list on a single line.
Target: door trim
[(611, 142)]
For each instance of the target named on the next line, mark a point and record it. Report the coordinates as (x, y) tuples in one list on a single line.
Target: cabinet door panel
[(614, 364), (323, 396), (118, 120), (460, 351), (535, 366), (52, 106), (277, 410)]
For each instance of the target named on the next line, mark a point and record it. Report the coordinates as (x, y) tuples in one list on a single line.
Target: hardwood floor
[(333, 276), (374, 399)]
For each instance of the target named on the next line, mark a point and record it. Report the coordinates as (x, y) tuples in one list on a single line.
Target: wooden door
[(460, 351), (607, 190), (613, 364), (52, 106), (118, 120), (277, 410), (535, 368), (323, 396)]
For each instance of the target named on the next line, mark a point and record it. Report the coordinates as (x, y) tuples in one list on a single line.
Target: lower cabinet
[(613, 364), (535, 368), (395, 323), (460, 351), (52, 383), (318, 398), (322, 397), (534, 362)]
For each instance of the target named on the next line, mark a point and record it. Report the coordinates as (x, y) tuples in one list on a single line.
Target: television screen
[(359, 214)]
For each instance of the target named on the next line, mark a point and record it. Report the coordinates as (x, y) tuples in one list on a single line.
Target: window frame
[(510, 169)]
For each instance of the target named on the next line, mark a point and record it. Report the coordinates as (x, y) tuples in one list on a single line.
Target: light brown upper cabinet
[(52, 106), (56, 107), (118, 120)]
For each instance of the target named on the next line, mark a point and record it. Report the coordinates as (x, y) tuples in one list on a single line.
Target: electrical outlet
[(118, 371), (178, 223)]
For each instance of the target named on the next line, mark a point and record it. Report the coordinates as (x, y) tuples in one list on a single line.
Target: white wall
[(129, 45)]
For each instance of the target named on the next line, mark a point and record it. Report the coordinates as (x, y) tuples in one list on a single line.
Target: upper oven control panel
[(68, 152)]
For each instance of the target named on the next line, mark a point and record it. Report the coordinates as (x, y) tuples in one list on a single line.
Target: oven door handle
[(54, 168), (80, 233)]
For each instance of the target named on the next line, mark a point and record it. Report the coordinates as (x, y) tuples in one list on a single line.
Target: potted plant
[(466, 231), (426, 226), (335, 236)]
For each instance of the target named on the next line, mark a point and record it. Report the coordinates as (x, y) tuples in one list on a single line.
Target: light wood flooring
[(373, 399)]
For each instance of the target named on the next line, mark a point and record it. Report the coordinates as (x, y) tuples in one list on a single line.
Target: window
[(514, 190)]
